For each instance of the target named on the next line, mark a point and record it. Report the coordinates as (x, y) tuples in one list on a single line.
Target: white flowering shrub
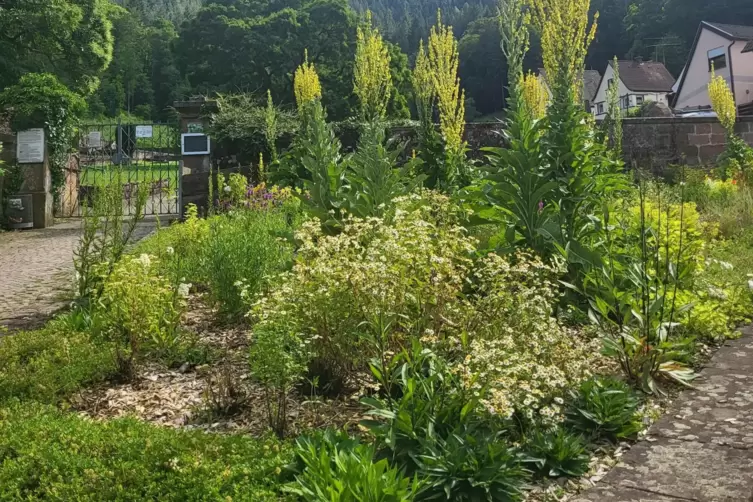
[(141, 310), (404, 272), (518, 351), (381, 284)]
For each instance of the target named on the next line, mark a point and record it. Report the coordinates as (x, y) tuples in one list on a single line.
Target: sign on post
[(143, 131), (30, 146), (194, 144), (94, 139)]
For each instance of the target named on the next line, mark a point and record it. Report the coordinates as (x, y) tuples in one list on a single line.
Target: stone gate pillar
[(31, 156), (195, 169)]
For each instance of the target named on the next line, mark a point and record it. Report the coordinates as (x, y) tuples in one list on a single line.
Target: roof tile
[(646, 76)]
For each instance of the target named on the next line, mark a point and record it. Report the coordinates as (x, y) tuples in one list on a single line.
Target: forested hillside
[(141, 55)]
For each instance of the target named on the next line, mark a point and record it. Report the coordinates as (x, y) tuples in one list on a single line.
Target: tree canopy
[(138, 56), (69, 38)]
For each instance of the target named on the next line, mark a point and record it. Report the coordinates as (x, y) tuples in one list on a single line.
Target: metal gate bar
[(131, 154)]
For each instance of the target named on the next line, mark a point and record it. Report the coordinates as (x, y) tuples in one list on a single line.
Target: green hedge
[(46, 454)]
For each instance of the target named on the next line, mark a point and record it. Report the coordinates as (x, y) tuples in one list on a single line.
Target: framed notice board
[(194, 144)]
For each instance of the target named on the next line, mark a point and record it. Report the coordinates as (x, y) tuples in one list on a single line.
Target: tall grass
[(243, 252)]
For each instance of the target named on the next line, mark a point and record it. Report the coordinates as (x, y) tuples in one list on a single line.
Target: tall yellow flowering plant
[(444, 61), (423, 85), (373, 81), (737, 159), (566, 34), (514, 19), (723, 102), (306, 85), (535, 96)]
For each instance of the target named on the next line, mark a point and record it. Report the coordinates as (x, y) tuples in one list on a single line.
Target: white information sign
[(30, 146), (143, 131), (94, 140)]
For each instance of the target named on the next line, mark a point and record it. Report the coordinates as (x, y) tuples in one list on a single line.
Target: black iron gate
[(132, 155)]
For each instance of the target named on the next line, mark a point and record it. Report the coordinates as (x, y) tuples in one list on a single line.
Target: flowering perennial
[(373, 81), (406, 276), (306, 85)]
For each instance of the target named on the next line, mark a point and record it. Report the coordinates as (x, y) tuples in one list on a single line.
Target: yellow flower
[(306, 86), (565, 38), (723, 102), (535, 97), (423, 82), (373, 81), (444, 61)]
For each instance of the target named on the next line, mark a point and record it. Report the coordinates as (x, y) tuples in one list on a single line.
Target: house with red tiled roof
[(726, 48)]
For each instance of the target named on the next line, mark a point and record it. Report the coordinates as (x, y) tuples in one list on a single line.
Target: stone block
[(699, 139), (41, 203), (717, 128), (718, 139), (709, 153), (748, 137), (703, 128)]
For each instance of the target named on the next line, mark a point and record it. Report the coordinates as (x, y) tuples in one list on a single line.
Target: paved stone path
[(702, 449), (36, 271)]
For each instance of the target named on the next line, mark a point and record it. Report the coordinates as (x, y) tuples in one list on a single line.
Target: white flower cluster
[(409, 276), (518, 351)]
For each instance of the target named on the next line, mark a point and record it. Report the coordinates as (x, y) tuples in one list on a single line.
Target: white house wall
[(694, 92), (601, 94), (742, 69)]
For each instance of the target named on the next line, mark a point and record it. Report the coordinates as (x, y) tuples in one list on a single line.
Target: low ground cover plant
[(51, 364), (125, 460)]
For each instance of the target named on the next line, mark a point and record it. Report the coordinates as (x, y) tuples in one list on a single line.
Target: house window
[(625, 102), (600, 109), (638, 100), (717, 58), (610, 82)]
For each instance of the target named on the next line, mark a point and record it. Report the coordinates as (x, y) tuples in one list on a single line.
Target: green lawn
[(149, 172)]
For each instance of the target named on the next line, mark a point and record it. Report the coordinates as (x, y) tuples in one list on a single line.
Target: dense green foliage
[(481, 364), (159, 50), (69, 38), (51, 364), (125, 460)]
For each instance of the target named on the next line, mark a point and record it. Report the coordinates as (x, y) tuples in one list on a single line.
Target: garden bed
[(180, 397)]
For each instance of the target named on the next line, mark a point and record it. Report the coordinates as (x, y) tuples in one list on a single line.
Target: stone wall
[(658, 142), (652, 143)]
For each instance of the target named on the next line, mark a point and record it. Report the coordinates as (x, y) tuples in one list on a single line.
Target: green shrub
[(731, 211), (604, 407), (528, 359), (557, 453), (380, 283), (409, 269), (435, 428), (244, 251), (339, 469), (46, 454), (51, 364), (180, 249), (470, 467), (141, 311), (278, 359)]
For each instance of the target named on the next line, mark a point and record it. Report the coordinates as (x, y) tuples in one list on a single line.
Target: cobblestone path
[(36, 271), (702, 449)]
